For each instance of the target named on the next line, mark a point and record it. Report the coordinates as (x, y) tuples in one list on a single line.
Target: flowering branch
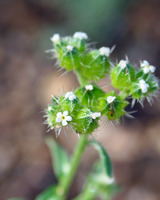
[(81, 109)]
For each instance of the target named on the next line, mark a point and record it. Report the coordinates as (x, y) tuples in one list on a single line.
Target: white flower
[(64, 118), (70, 48), (105, 51), (50, 108), (95, 115), (89, 87), (147, 67), (70, 95), (55, 38), (143, 86), (110, 99), (80, 35), (123, 64)]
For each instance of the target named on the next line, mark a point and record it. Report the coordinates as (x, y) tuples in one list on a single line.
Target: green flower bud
[(51, 111), (146, 85), (70, 102), (85, 121), (79, 41), (89, 96), (122, 75), (68, 57), (112, 106), (95, 65), (68, 50)]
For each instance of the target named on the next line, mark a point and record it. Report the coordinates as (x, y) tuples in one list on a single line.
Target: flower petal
[(69, 118), (72, 97), (58, 119), (80, 35), (152, 68), (110, 99), (70, 48), (59, 114), (65, 113), (55, 38), (145, 70), (123, 64), (105, 51), (143, 86), (89, 87), (64, 123)]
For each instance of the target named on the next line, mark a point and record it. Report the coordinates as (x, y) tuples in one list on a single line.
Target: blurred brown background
[(28, 78)]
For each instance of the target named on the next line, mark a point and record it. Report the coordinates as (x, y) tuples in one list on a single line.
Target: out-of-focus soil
[(28, 78)]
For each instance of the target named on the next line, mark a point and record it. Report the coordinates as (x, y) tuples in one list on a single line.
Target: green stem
[(81, 80), (67, 180), (86, 194)]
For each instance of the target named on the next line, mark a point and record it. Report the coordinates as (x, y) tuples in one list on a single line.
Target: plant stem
[(67, 180), (81, 80)]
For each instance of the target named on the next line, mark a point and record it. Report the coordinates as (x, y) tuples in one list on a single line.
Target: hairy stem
[(81, 80), (67, 180)]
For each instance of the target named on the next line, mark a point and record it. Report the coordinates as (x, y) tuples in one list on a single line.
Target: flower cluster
[(83, 108), (139, 83), (73, 54), (68, 110)]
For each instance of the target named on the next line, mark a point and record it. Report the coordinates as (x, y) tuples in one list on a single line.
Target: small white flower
[(50, 108), (143, 86), (95, 115), (80, 35), (55, 38), (147, 67), (64, 118), (123, 64), (70, 48), (105, 51), (110, 99), (70, 95), (89, 87)]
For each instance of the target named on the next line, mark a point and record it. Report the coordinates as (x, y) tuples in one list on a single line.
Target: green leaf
[(60, 159), (103, 156), (103, 185), (48, 194), (98, 184)]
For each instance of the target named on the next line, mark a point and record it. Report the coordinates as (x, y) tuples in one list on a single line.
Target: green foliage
[(90, 98), (98, 184), (73, 54), (83, 108), (122, 75), (106, 162), (113, 109), (60, 159), (95, 65), (49, 194), (83, 123)]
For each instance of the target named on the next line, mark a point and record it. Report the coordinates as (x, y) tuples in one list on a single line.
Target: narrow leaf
[(103, 156), (48, 194), (97, 184), (60, 159)]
